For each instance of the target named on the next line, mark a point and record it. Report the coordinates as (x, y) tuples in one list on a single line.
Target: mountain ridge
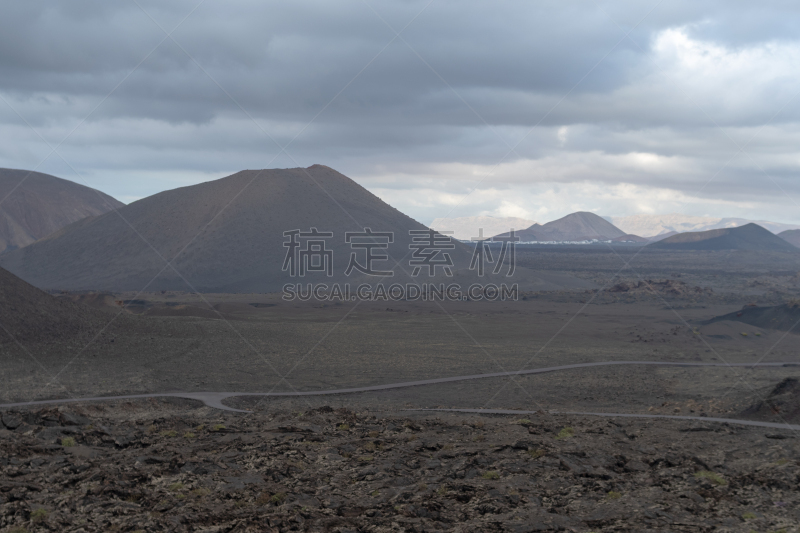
[(224, 235), (748, 237), (579, 226), (654, 225), (35, 205)]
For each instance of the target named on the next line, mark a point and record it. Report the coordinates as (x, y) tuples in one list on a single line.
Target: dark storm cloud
[(644, 110)]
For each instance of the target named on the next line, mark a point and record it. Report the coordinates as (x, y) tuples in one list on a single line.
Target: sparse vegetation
[(39, 515), (344, 427), (68, 442), (713, 477), (169, 433), (565, 433), (749, 515), (189, 435), (218, 427), (535, 454), (491, 471)]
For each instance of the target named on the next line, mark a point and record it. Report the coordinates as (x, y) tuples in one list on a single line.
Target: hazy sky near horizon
[(527, 109)]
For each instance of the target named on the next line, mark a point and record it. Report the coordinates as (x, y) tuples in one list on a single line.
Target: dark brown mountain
[(580, 226), (747, 237), (792, 236), (28, 314), (221, 236), (34, 205)]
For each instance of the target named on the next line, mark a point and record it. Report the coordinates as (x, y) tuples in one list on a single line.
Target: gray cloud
[(662, 110)]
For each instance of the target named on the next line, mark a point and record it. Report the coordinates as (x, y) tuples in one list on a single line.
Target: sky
[(441, 108)]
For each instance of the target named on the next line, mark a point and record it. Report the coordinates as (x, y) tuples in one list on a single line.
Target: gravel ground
[(170, 466)]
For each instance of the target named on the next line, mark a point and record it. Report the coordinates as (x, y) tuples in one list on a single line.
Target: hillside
[(791, 236), (580, 226), (35, 206), (747, 237), (221, 236), (781, 317), (28, 314)]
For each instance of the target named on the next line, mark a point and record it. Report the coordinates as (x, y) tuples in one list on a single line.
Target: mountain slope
[(791, 236), (221, 236), (37, 205), (28, 314), (783, 317), (580, 226), (747, 237)]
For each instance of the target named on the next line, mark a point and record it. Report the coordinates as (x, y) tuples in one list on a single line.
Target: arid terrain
[(372, 461), (166, 466), (399, 267)]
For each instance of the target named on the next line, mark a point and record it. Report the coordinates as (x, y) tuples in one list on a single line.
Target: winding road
[(738, 421), (214, 399)]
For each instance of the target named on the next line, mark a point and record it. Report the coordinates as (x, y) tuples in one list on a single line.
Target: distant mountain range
[(580, 226), (224, 235), (227, 235), (747, 237), (652, 225), (34, 205), (576, 227)]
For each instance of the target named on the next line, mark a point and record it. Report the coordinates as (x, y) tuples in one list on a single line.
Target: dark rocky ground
[(170, 466)]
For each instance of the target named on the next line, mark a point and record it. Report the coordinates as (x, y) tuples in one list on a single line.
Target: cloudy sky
[(442, 108)]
